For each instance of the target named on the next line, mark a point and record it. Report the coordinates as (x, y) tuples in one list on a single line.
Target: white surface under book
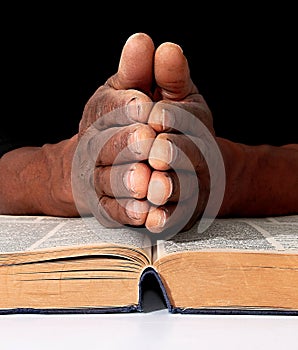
[(147, 331)]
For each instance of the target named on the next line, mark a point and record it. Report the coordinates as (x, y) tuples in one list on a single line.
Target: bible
[(75, 265)]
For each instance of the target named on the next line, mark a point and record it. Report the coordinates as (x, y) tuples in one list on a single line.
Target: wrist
[(260, 180), (232, 154), (37, 180), (58, 162)]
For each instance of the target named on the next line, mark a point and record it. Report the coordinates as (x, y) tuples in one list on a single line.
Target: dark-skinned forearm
[(37, 180), (260, 180)]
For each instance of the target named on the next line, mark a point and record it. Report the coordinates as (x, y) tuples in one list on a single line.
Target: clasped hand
[(137, 157)]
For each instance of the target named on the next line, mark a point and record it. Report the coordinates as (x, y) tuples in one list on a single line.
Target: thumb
[(135, 70), (172, 73)]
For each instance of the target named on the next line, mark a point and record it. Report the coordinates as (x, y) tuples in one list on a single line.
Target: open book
[(51, 264)]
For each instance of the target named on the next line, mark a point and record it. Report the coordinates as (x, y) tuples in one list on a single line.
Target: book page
[(31, 233), (272, 234)]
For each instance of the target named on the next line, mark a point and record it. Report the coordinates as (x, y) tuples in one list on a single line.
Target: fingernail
[(134, 141), (165, 118), (129, 181), (137, 210), (162, 218), (140, 141), (162, 154), (133, 109), (160, 119), (157, 220), (160, 191)]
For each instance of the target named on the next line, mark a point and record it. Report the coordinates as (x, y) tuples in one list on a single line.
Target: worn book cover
[(67, 265)]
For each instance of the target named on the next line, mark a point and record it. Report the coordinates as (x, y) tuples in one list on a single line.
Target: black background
[(243, 61)]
